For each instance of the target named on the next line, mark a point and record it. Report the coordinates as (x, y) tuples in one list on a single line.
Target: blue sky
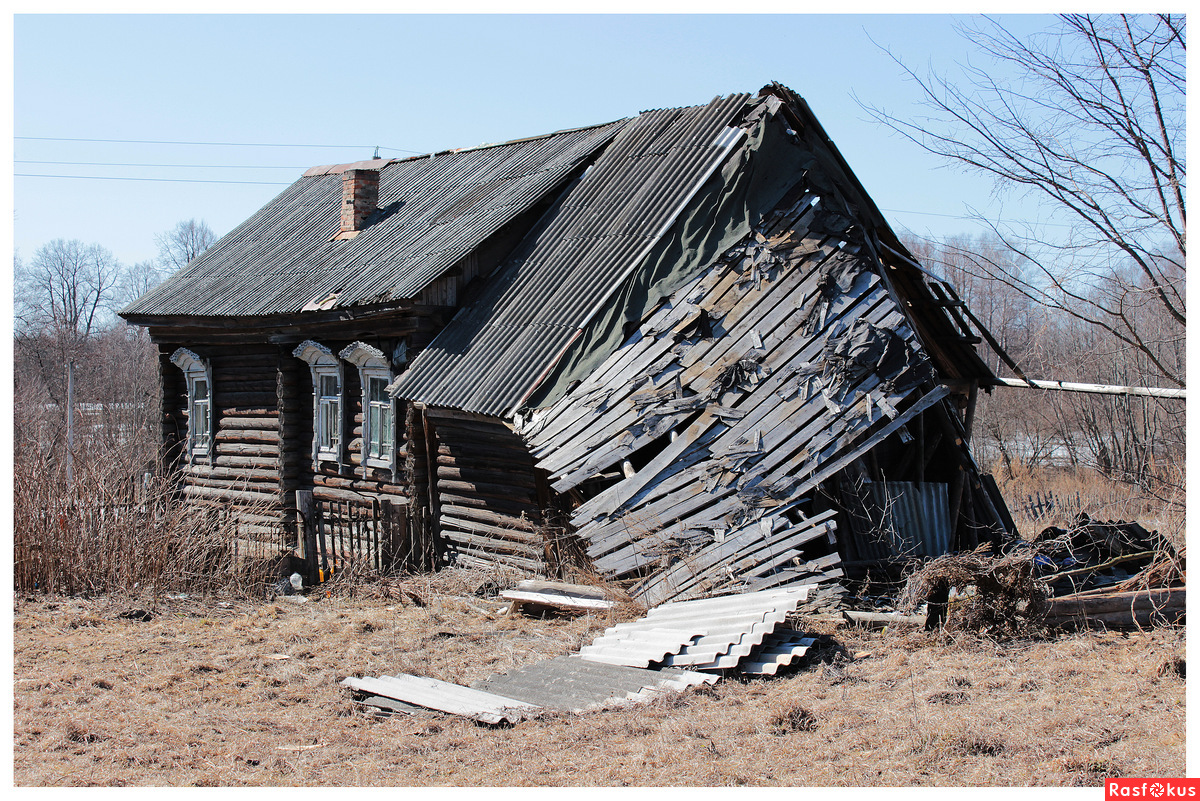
[(420, 83)]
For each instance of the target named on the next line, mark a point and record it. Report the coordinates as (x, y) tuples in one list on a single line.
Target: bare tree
[(139, 279), (187, 240), (1090, 119), (66, 291)]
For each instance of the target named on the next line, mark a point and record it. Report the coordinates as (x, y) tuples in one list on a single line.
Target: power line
[(214, 144), (142, 164), (169, 180)]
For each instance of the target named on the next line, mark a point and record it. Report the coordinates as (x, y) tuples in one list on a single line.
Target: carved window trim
[(379, 414), (201, 430), (328, 418)]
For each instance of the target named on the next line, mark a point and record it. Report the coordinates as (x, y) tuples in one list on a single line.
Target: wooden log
[(485, 488), (1141, 601), (247, 435), (260, 449), (442, 415), (510, 478), (269, 486), (268, 415), (510, 506), (500, 532), (235, 473), (492, 546), (489, 517), (268, 462), (475, 557), (485, 431), (325, 493), (247, 497), (879, 620), (235, 418)]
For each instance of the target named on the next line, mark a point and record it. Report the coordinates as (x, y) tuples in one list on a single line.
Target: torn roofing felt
[(432, 212), (498, 349)]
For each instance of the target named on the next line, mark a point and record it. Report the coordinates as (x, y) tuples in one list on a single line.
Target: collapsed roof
[(673, 191)]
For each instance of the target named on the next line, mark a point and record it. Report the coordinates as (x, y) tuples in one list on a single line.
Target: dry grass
[(113, 530), (238, 693), (1085, 490)]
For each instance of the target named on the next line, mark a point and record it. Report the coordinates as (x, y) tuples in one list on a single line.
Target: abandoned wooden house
[(683, 350)]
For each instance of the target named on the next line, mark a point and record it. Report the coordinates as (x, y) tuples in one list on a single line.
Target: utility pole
[(70, 424)]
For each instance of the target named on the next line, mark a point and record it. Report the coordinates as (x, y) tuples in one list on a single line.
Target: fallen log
[(1137, 609), (879, 620)]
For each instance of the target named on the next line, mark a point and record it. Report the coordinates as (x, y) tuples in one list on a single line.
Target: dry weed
[(247, 694)]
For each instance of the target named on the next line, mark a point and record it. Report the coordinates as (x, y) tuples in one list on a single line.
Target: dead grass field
[(246, 693)]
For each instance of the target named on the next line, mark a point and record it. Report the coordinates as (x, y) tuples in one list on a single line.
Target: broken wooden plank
[(558, 595)]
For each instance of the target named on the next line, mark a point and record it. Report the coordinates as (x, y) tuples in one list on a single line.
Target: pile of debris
[(1110, 574), (1079, 577), (675, 646), (1094, 554)]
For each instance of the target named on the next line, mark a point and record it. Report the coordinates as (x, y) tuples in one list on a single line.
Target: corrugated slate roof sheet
[(707, 634), (497, 350), (434, 211)]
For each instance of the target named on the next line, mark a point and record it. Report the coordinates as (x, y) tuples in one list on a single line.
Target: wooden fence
[(369, 536)]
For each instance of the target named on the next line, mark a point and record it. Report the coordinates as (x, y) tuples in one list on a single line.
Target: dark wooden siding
[(242, 471), (486, 493)]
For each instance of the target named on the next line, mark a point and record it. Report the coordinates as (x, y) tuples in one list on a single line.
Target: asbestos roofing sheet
[(637, 647), (712, 633), (433, 211), (446, 697), (576, 685), (779, 649), (493, 353)]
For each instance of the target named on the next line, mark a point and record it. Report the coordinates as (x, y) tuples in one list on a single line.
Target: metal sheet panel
[(916, 516)]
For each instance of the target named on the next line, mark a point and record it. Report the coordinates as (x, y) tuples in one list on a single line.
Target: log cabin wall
[(486, 495), (263, 426), (172, 408), (242, 470)]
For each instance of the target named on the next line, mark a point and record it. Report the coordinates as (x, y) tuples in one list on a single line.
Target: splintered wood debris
[(766, 375)]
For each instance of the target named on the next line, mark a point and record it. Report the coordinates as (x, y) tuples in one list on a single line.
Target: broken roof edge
[(336, 169), (797, 106)]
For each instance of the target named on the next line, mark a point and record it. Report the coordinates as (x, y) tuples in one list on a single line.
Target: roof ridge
[(333, 169)]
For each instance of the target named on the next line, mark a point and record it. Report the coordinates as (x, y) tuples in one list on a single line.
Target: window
[(378, 407), (198, 373), (328, 419), (327, 400), (380, 432)]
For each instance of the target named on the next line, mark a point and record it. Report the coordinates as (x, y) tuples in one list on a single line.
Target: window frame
[(323, 364), (372, 364), (196, 369)]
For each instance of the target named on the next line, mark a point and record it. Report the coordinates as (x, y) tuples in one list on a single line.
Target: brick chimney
[(360, 197)]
